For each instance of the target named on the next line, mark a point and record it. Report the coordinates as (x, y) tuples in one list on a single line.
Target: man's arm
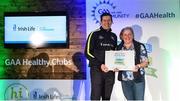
[(89, 49)]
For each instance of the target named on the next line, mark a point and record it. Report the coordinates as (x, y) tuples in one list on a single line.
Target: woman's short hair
[(126, 28)]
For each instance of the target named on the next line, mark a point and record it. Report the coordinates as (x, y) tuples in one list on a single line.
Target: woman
[(133, 82)]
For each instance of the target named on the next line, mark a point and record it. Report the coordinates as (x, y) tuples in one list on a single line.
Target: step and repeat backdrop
[(156, 23), (42, 46)]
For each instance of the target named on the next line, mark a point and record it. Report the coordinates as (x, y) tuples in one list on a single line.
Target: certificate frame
[(121, 59)]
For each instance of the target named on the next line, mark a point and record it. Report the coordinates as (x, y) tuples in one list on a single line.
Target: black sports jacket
[(97, 43)]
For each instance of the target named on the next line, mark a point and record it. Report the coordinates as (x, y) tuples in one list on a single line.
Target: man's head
[(106, 20)]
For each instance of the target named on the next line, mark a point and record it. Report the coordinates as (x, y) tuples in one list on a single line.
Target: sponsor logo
[(16, 91), (101, 37), (50, 94), (31, 28)]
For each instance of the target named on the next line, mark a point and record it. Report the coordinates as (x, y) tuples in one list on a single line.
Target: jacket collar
[(102, 29)]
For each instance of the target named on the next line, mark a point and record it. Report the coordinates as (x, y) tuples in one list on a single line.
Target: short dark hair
[(106, 14), (126, 28)]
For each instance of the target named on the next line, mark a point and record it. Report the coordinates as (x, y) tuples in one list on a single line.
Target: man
[(99, 41)]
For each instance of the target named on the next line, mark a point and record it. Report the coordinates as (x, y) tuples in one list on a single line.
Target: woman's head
[(127, 35)]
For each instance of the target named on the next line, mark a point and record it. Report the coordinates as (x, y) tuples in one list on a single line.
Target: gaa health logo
[(16, 91)]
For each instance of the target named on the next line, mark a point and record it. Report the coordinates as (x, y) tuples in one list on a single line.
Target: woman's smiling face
[(127, 36)]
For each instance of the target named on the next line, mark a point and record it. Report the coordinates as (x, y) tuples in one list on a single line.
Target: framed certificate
[(123, 60)]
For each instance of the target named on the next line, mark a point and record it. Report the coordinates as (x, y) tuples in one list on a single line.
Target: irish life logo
[(16, 91), (100, 8)]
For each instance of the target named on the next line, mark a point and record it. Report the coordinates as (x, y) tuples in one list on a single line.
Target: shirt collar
[(131, 48)]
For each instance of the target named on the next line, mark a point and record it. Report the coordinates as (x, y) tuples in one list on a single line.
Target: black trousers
[(101, 84)]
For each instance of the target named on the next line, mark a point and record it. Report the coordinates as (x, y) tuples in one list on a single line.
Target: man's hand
[(104, 68)]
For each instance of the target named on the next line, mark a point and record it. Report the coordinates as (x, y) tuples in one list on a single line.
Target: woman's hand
[(116, 70), (135, 69)]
